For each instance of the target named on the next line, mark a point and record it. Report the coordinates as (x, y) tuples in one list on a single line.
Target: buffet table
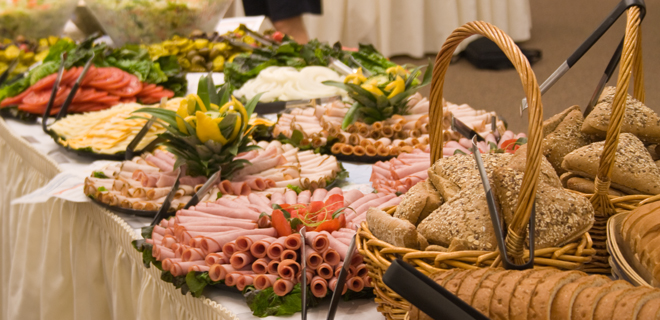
[(66, 260)]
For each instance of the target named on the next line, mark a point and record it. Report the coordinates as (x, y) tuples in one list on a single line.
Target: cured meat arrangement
[(100, 89), (401, 173), (239, 240)]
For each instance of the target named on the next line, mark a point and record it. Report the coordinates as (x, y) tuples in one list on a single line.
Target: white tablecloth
[(410, 27), (64, 260)]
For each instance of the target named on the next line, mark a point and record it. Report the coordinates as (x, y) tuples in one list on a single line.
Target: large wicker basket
[(379, 254)]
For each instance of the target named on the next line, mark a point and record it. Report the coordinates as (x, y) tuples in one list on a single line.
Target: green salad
[(150, 21), (34, 18)]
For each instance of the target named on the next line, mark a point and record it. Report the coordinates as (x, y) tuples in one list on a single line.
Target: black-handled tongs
[(69, 98), (303, 273), (496, 219), (163, 212), (5, 75), (341, 280), (130, 149), (427, 295), (464, 130), (620, 8)]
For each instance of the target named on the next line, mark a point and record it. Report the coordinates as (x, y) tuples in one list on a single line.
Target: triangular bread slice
[(586, 302), (566, 137), (561, 216), (522, 295), (634, 171), (606, 305), (551, 123), (472, 283), (639, 119), (562, 304), (629, 306), (545, 293), (650, 310), (481, 299), (499, 302), (418, 202)]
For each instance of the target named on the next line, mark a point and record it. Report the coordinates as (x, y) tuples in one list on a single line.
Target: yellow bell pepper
[(397, 71), (373, 89), (195, 97), (207, 129), (183, 113), (397, 86), (238, 106), (237, 129), (355, 78)]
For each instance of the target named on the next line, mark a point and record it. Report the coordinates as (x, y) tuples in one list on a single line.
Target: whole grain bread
[(541, 299), (472, 282), (418, 202), (634, 171), (650, 310), (587, 186), (606, 305), (551, 123), (483, 295), (630, 305), (638, 119), (586, 302), (562, 304), (454, 283), (499, 302), (397, 232), (566, 137), (632, 218), (522, 295)]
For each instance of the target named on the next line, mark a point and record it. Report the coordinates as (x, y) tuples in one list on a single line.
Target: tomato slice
[(109, 99), (71, 76), (132, 89), (87, 106), (42, 96), (45, 83), (149, 100), (92, 73), (16, 99), (148, 88), (128, 100), (279, 222), (107, 78), (164, 93)]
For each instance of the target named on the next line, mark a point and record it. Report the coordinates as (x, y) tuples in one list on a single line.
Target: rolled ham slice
[(312, 258), (319, 194), (240, 188), (192, 254), (260, 266), (240, 260), (304, 196), (229, 248), (181, 268), (232, 278), (336, 245), (219, 272), (165, 179), (355, 283), (335, 190), (213, 242), (290, 197), (216, 258), (277, 198), (272, 267), (351, 196), (331, 257), (289, 255), (244, 243), (281, 287), (229, 212), (199, 268), (287, 269), (276, 248), (325, 271), (332, 284), (225, 187), (160, 163), (319, 287), (259, 248), (264, 281), (243, 281), (317, 241), (293, 242)]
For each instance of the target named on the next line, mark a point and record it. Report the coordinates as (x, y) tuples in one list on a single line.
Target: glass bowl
[(150, 21), (34, 19)]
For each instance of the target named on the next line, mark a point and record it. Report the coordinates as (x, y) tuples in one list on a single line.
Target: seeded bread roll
[(650, 310), (561, 216), (638, 119), (472, 282), (499, 302), (463, 218), (606, 305), (630, 305), (484, 293), (547, 175), (418, 202), (565, 138), (562, 304), (551, 124), (546, 291), (397, 232), (522, 295), (634, 171)]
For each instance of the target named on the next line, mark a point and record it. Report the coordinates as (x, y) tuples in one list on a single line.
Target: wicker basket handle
[(518, 227), (631, 62)]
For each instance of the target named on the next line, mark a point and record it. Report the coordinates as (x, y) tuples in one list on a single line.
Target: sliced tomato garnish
[(16, 99), (108, 78), (133, 87)]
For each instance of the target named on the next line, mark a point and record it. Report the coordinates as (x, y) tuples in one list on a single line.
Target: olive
[(196, 34), (209, 66), (214, 53), (198, 61), (204, 52), (184, 63), (201, 43), (218, 63), (191, 54), (181, 42), (197, 69)]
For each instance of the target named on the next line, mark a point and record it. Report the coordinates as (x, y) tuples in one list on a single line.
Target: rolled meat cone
[(272, 267), (309, 273), (346, 150), (325, 271), (383, 151), (264, 281), (181, 268), (370, 150), (232, 278), (387, 131), (303, 197), (394, 151), (340, 137), (354, 139), (376, 134), (229, 248), (216, 258), (244, 281), (168, 241), (351, 271), (406, 149), (332, 284), (402, 134), (355, 284), (244, 243), (312, 258), (350, 129), (397, 127), (260, 266), (293, 242), (276, 248), (218, 272), (363, 131), (319, 287), (366, 142), (240, 260), (357, 259), (289, 254), (281, 287), (367, 282), (287, 269), (192, 254), (199, 268), (331, 257), (359, 151), (336, 148), (377, 125), (333, 131), (361, 270), (318, 241)]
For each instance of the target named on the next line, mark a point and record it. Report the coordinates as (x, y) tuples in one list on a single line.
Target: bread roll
[(418, 202), (396, 232), (587, 186), (551, 124), (634, 171), (566, 137), (639, 119)]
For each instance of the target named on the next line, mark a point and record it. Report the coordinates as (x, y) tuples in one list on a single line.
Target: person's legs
[(294, 27)]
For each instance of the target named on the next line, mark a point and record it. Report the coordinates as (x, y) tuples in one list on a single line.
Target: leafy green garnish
[(265, 302), (294, 188), (102, 188), (99, 174)]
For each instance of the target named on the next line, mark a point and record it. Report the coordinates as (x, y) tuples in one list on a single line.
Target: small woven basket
[(379, 254)]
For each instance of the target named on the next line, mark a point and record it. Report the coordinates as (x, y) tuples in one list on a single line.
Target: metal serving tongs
[(69, 98), (279, 106), (427, 295), (303, 274), (496, 219), (465, 130), (341, 280), (620, 8), (337, 65), (10, 68), (165, 208), (130, 149)]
